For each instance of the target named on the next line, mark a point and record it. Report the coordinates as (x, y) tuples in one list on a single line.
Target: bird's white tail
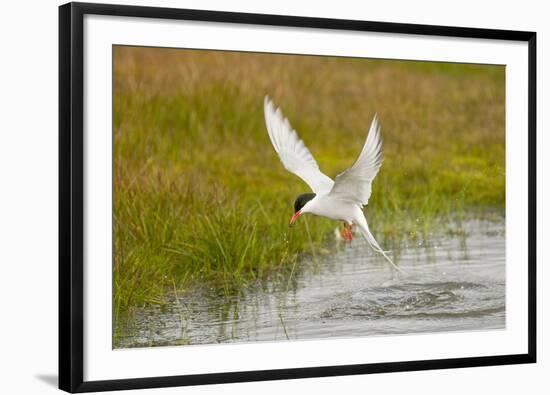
[(364, 229)]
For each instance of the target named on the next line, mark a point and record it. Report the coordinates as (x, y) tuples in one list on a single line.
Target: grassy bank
[(200, 195)]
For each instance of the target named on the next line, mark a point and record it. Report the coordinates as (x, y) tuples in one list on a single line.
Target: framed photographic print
[(253, 197)]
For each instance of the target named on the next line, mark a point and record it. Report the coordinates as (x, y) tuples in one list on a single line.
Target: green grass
[(201, 197)]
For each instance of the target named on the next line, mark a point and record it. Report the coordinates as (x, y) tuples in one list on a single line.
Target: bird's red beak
[(295, 217)]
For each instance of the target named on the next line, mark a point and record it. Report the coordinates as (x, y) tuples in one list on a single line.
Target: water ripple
[(456, 283)]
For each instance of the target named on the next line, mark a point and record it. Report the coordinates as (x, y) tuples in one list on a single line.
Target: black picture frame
[(71, 197)]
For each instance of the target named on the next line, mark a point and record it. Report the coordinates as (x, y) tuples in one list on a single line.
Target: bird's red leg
[(350, 232), (345, 232)]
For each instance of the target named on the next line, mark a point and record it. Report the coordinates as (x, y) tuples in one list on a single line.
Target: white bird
[(342, 199)]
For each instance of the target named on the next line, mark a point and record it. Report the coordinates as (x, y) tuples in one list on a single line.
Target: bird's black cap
[(301, 200)]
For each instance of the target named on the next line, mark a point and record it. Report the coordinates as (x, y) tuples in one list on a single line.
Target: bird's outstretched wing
[(354, 184), (292, 151)]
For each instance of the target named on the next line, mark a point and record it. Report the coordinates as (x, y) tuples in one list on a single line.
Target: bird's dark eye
[(301, 200)]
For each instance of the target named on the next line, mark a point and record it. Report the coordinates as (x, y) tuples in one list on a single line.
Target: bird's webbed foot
[(344, 232)]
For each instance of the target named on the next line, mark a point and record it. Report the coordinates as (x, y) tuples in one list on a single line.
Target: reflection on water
[(453, 283)]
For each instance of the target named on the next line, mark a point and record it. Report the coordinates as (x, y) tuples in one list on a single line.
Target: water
[(453, 283)]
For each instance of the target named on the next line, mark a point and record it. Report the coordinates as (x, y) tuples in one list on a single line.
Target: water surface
[(453, 282)]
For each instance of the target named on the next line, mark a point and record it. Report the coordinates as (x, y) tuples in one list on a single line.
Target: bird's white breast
[(325, 206)]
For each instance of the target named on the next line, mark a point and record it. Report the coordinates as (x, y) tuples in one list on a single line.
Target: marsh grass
[(201, 197)]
